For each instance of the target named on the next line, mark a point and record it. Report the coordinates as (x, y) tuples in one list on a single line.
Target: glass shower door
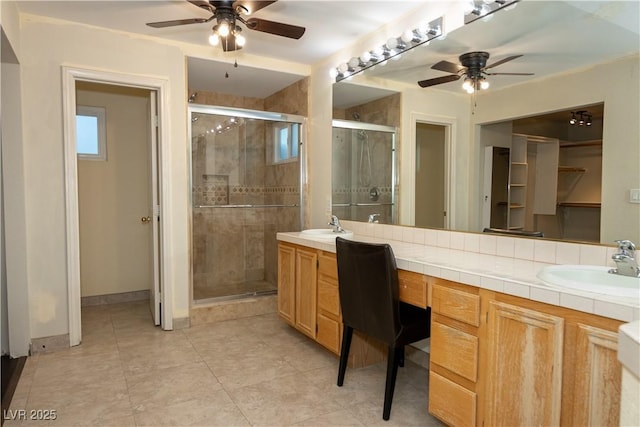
[(245, 180)]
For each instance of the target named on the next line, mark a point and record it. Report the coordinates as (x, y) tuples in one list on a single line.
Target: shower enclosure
[(245, 187), (364, 171)]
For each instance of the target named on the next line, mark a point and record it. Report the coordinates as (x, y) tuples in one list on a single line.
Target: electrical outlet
[(634, 195)]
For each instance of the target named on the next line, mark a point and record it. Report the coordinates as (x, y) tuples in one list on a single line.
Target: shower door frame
[(356, 125), (246, 114)]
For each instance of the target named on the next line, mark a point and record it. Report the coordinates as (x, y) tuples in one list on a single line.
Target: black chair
[(368, 287)]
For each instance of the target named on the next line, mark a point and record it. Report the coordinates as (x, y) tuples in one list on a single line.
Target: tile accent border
[(50, 344), (114, 298)]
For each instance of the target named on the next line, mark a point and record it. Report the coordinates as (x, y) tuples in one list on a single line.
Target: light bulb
[(468, 7), (484, 84), (470, 90), (343, 68), (410, 36), (223, 29), (240, 40), (468, 84), (333, 73), (354, 62), (214, 40), (392, 43), (365, 57)]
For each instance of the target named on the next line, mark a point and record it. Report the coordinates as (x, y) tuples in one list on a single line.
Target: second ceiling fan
[(228, 14), (473, 67)]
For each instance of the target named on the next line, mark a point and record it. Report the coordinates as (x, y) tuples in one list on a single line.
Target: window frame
[(100, 114), (291, 157)]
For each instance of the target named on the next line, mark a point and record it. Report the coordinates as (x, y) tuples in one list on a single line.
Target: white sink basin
[(326, 233), (591, 278)]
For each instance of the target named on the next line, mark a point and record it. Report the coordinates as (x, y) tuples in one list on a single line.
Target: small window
[(286, 142), (91, 138)]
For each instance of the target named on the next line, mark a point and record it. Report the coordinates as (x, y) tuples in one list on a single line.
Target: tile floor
[(251, 371)]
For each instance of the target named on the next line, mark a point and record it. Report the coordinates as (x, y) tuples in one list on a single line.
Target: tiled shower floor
[(225, 290), (250, 371)]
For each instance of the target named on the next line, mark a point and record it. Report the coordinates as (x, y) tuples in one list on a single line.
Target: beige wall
[(114, 194), (48, 45)]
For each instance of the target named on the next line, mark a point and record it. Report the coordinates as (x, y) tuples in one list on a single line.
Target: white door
[(486, 187), (154, 213)]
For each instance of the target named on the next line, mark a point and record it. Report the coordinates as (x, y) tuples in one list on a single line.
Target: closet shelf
[(579, 205), (571, 169)]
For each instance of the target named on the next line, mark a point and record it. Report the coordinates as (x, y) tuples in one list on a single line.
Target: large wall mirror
[(564, 181)]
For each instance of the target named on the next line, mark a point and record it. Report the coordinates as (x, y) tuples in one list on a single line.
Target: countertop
[(498, 273)]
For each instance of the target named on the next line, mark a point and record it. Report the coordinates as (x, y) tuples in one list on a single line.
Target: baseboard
[(181, 323), (114, 298), (49, 344)]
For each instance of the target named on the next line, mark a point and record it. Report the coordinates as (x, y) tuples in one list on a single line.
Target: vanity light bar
[(477, 9), (393, 47)]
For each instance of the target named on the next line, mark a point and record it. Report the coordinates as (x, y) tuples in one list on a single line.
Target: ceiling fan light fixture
[(214, 39), (484, 84), (468, 85), (223, 29), (240, 39)]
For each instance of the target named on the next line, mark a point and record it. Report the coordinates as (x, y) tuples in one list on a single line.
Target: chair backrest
[(368, 287)]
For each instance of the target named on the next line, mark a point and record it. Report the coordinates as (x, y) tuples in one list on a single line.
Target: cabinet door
[(305, 294), (598, 376), (524, 367), (286, 283)]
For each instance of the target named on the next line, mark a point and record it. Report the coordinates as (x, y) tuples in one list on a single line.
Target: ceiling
[(553, 36), (330, 26)]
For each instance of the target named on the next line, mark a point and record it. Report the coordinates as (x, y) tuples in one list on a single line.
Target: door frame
[(70, 75), (408, 169)]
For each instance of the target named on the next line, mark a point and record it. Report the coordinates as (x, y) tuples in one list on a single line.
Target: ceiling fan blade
[(510, 74), (164, 24), (277, 28), (438, 80), (251, 6), (448, 67), (502, 61), (204, 4)]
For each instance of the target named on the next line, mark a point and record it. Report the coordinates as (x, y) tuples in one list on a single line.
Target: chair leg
[(401, 358), (347, 333), (392, 372)]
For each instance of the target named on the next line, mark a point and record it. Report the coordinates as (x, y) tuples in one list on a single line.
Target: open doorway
[(161, 292), (553, 174), (113, 130), (431, 164)]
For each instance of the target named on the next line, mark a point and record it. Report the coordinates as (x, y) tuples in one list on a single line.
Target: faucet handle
[(626, 247), (373, 218)]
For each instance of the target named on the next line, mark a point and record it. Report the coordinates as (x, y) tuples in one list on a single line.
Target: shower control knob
[(145, 219)]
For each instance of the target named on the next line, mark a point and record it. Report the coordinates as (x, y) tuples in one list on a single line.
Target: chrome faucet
[(373, 218), (625, 262), (335, 223)]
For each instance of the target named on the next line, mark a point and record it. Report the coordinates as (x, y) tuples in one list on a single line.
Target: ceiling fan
[(473, 66), (227, 15)]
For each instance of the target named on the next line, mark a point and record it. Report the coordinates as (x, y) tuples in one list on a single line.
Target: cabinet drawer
[(413, 288), (328, 333), (450, 402), (455, 350), (328, 298), (456, 304), (327, 265)]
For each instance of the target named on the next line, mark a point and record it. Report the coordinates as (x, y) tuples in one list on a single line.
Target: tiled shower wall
[(351, 183), (235, 249)]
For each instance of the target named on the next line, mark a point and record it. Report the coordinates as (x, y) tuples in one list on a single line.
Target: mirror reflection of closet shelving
[(518, 172)]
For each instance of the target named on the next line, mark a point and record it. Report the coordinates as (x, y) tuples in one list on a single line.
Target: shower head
[(356, 116), (192, 97)]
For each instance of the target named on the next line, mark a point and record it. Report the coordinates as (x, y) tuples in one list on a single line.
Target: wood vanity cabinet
[(297, 287), (547, 365), (453, 364), (329, 319), (500, 360)]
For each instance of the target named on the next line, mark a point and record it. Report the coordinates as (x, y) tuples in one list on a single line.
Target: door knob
[(145, 219)]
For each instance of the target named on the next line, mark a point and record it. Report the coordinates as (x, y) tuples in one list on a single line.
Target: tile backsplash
[(543, 251)]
